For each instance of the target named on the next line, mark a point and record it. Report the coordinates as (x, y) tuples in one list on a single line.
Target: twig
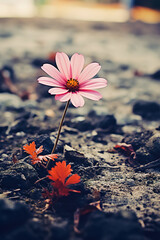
[(39, 180)]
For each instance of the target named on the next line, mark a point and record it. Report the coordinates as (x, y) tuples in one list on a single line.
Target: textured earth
[(127, 187)]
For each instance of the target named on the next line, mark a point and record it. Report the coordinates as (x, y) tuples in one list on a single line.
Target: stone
[(130, 182), (13, 214), (122, 225), (12, 180), (20, 134), (147, 110), (3, 128), (17, 126), (143, 156), (10, 101), (48, 143), (35, 193), (22, 175), (156, 75), (74, 156), (153, 145), (138, 139), (156, 188), (99, 138), (32, 230), (26, 169), (4, 162), (82, 124), (59, 230), (107, 122), (43, 91)]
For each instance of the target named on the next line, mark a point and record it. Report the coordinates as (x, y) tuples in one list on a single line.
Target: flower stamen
[(72, 85)]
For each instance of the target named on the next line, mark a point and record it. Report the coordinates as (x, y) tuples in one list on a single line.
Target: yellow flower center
[(72, 85)]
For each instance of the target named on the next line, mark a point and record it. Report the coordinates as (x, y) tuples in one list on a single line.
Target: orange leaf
[(60, 172), (30, 149), (75, 178), (40, 149), (60, 188)]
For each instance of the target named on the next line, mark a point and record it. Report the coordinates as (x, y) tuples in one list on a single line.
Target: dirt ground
[(125, 186)]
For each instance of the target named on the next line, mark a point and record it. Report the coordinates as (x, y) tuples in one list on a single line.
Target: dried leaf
[(125, 149), (16, 155), (84, 212), (14, 159), (96, 194)]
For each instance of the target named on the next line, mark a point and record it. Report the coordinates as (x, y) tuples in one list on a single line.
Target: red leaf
[(83, 212), (126, 149), (60, 188), (75, 178), (60, 172), (30, 149), (59, 175)]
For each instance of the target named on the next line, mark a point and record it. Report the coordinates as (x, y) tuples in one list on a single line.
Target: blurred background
[(122, 35), (95, 10)]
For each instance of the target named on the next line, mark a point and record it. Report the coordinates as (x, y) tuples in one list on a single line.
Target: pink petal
[(77, 100), (63, 64), (90, 71), (91, 94), (94, 83), (63, 97), (57, 91), (49, 82), (53, 72), (77, 63)]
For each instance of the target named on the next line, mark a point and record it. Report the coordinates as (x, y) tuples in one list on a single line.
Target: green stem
[(59, 130)]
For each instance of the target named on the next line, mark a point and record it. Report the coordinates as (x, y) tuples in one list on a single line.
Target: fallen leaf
[(14, 159), (125, 149), (83, 212)]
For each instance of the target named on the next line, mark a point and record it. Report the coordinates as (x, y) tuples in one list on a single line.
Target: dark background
[(148, 3)]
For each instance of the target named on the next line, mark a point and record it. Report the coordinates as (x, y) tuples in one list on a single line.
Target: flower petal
[(94, 83), (90, 71), (77, 100), (63, 97), (53, 91), (77, 63), (63, 64), (91, 94), (49, 82), (53, 72)]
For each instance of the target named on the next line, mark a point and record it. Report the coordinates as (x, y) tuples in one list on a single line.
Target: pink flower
[(71, 82)]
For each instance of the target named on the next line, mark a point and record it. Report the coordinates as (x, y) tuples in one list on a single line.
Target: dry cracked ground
[(128, 188)]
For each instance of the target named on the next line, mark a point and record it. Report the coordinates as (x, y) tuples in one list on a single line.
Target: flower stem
[(59, 130)]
